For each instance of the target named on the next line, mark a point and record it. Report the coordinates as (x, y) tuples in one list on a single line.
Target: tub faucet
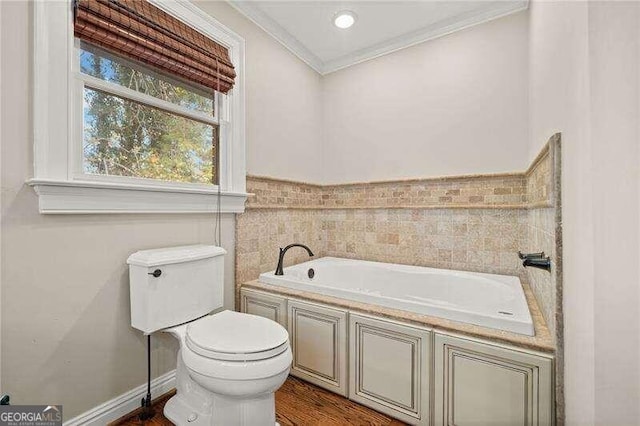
[(538, 262), (279, 269), (535, 260)]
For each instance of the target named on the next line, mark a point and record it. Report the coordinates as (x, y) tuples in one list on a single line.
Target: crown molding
[(276, 31), (430, 32), (439, 29)]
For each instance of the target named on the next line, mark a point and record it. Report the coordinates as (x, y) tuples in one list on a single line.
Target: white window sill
[(87, 197)]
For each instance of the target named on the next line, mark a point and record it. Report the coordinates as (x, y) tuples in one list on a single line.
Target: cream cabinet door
[(319, 342), (483, 384), (389, 367), (265, 305)]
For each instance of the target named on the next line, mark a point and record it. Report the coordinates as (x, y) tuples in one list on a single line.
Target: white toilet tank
[(174, 285)]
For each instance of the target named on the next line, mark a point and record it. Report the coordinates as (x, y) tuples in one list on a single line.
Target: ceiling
[(306, 26)]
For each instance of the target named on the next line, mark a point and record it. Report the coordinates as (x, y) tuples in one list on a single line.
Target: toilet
[(229, 364)]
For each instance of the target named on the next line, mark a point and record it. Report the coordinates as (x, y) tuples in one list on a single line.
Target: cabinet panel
[(318, 339), (389, 367), (264, 305), (481, 384)]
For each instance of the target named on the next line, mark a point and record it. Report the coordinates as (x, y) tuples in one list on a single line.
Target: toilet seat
[(235, 336), (234, 346)]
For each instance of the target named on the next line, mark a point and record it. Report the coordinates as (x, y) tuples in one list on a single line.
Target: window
[(138, 123), (116, 134)]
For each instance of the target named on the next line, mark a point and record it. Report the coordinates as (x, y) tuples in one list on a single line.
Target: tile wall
[(464, 239), (260, 232), (500, 190), (544, 230)]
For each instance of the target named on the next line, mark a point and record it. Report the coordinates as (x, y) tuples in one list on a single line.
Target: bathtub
[(494, 301)]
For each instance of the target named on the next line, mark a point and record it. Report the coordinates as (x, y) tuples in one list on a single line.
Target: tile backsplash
[(259, 234), (268, 192), (540, 177), (463, 191), (491, 191), (540, 236), (465, 239), (544, 230)]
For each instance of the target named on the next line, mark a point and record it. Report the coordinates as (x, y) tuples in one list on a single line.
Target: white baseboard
[(125, 403)]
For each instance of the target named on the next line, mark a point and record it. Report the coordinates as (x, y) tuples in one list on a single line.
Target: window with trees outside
[(138, 107), (138, 123)]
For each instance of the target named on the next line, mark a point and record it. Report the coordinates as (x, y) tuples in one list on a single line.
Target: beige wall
[(284, 128), (614, 35), (1, 251), (584, 83), (451, 106), (66, 337), (403, 110), (558, 103)]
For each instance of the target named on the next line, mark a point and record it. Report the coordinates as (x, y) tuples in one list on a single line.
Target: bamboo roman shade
[(138, 30)]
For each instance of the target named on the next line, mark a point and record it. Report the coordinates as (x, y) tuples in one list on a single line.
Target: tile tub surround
[(539, 177), (474, 223), (506, 190), (267, 192), (544, 230), (483, 240), (261, 232), (540, 236), (499, 190)]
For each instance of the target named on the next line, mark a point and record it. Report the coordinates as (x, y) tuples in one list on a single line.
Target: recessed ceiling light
[(344, 19)]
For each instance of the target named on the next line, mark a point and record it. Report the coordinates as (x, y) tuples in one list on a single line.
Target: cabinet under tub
[(414, 373)]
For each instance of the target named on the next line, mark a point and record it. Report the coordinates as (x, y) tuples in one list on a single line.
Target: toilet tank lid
[(169, 255)]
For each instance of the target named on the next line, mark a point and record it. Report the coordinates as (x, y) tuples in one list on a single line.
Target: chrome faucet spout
[(280, 267)]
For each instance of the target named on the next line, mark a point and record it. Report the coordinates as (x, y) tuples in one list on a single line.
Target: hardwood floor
[(297, 403), (301, 403), (158, 419)]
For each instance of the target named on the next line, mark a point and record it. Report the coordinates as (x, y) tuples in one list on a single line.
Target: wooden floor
[(297, 403)]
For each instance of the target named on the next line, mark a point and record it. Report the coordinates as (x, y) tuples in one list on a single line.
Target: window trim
[(56, 178)]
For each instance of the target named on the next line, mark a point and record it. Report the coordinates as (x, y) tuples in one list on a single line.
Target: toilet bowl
[(229, 366)]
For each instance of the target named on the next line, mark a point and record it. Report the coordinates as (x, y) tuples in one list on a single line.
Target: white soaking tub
[(495, 301)]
